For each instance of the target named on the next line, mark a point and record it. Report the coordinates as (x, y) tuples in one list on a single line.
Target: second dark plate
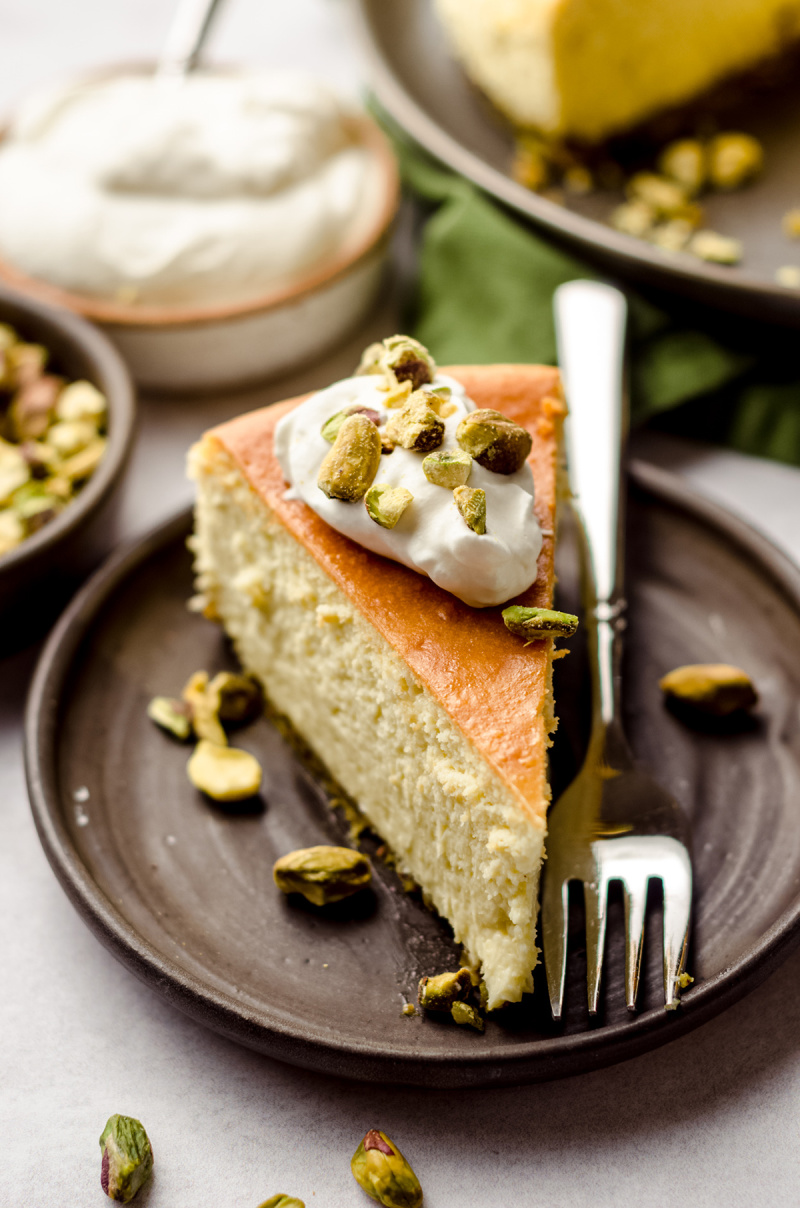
[(181, 891)]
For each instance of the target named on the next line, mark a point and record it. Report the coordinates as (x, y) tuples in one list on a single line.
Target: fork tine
[(555, 916), (595, 894), (677, 881), (635, 891)]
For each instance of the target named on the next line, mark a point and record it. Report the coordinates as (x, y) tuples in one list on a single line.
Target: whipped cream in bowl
[(431, 536), (157, 206)]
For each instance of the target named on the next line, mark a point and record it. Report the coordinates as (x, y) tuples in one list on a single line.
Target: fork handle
[(590, 329)]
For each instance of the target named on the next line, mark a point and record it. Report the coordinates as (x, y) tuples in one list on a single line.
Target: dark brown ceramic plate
[(420, 84), (181, 891)]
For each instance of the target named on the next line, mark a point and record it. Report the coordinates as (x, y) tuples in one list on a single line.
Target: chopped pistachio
[(416, 425), (370, 362), (352, 463), (788, 275), (408, 360), (240, 697), (791, 223), (535, 623), (380, 1169), (386, 504), (672, 236), (12, 530), (634, 218), (450, 469), (8, 337), (35, 508), (127, 1158), (27, 362), (323, 874), (684, 161), (14, 471), (70, 436), (733, 159), (464, 1013), (82, 465), (718, 249), (282, 1201), (32, 408), (82, 401), (203, 700), (409, 1009), (440, 992), (224, 773), (440, 401), (330, 428), (395, 394), (714, 688), (664, 196), (39, 456), (685, 980), (471, 503), (171, 715), (494, 440)]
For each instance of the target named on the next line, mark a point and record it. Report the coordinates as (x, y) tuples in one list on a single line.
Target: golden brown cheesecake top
[(492, 685)]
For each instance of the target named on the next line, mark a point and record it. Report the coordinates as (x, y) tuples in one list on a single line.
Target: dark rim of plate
[(284, 1037)]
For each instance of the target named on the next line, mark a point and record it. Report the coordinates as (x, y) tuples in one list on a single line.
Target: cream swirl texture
[(431, 537)]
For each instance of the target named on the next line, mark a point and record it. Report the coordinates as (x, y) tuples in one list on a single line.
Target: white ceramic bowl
[(185, 348)]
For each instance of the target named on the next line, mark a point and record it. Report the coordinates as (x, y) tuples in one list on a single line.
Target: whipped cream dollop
[(431, 536), (214, 188)]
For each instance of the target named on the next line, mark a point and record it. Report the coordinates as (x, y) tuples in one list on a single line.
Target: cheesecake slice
[(588, 69), (428, 712)]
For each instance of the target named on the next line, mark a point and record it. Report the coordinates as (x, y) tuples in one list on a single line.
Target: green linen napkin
[(484, 293)]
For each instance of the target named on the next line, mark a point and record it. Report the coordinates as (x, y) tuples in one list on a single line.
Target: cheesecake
[(424, 707), (576, 69)]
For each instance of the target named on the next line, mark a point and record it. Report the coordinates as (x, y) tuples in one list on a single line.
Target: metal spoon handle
[(187, 35), (590, 329)]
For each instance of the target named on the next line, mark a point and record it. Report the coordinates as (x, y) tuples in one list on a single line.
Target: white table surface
[(711, 1119)]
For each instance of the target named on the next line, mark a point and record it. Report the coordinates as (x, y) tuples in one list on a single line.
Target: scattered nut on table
[(127, 1158), (380, 1169)]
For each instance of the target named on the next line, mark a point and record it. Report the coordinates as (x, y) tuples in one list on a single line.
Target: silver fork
[(613, 823)]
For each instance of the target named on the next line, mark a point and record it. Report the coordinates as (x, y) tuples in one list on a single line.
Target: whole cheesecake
[(427, 710), (588, 69)]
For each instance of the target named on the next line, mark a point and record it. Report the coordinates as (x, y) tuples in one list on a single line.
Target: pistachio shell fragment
[(171, 715), (204, 702), (323, 874), (416, 425), (717, 689), (471, 503), (351, 465), (534, 623), (386, 504), (127, 1158), (330, 429), (733, 159), (282, 1201), (441, 992), (465, 1014), (224, 773), (450, 469), (380, 1169), (494, 440)]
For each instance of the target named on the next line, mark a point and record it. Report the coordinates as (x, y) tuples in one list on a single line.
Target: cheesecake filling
[(482, 569)]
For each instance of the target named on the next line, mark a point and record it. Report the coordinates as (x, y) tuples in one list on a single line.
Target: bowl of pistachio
[(67, 413)]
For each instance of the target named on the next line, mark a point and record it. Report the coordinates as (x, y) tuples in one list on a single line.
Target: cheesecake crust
[(495, 689)]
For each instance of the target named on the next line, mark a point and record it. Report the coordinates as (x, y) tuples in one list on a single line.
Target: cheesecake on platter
[(587, 70), (359, 546)]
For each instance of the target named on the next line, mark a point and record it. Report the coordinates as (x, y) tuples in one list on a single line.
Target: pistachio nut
[(26, 362), (351, 465), (371, 361), (661, 194), (127, 1158), (733, 159), (35, 506), (8, 337), (323, 874), (14, 471), (441, 401), (535, 623), (386, 504), (714, 688), (395, 394), (494, 440), (672, 236), (82, 465), (717, 249), (204, 704), (171, 715), (12, 530), (416, 425), (440, 992), (82, 401), (224, 773), (408, 360), (331, 426), (282, 1201), (635, 218), (240, 697), (685, 161), (39, 456), (471, 503), (32, 408), (70, 436), (450, 469), (465, 1014), (380, 1169)]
